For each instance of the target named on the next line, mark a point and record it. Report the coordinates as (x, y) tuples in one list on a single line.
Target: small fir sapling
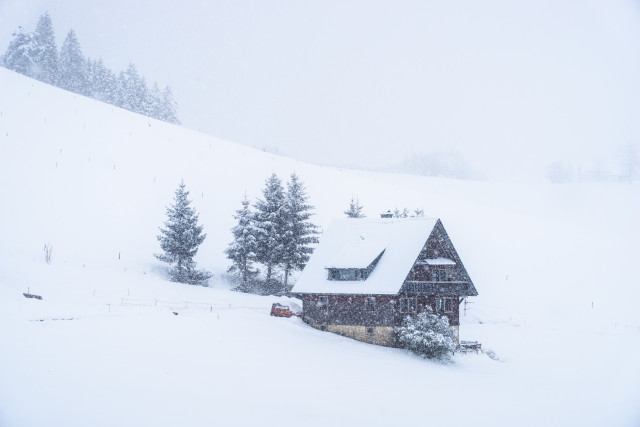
[(355, 209)]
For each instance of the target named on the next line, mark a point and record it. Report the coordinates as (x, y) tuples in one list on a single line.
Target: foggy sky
[(511, 86)]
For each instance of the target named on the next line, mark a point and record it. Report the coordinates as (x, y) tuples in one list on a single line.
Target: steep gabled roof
[(359, 242)]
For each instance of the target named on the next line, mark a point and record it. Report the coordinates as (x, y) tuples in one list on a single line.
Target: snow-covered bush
[(427, 335)]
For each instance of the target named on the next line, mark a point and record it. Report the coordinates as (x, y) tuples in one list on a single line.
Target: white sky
[(511, 85)]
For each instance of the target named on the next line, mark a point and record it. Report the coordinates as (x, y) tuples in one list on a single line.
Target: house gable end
[(438, 268)]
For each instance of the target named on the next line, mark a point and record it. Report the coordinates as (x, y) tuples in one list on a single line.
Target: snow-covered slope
[(554, 267)]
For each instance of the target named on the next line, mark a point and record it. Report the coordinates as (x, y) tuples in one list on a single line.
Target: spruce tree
[(46, 61), (129, 88), (180, 240), (155, 102), (270, 225), (73, 72), (299, 232), (242, 251), (22, 53), (169, 107), (355, 209)]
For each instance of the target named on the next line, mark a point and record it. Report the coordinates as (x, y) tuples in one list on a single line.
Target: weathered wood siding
[(351, 310)]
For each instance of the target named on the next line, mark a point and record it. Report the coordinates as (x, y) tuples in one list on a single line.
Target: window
[(407, 305), (370, 303), (323, 303), (346, 274), (444, 305), (438, 274)]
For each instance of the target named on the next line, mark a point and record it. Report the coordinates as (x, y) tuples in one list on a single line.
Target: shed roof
[(355, 243)]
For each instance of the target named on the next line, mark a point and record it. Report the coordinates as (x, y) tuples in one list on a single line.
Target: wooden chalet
[(367, 275)]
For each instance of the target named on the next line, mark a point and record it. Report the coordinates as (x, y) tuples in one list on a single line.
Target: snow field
[(94, 181)]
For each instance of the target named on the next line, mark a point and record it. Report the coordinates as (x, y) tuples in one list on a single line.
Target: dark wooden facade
[(437, 280)]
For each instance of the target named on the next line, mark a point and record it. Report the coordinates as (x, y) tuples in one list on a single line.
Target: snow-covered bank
[(554, 266)]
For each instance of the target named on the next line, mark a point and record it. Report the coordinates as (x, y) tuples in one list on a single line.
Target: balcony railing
[(437, 288)]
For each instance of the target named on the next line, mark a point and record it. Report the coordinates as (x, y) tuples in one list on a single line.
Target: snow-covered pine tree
[(269, 219), (102, 82), (46, 61), (355, 209), (242, 251), (73, 71), (180, 240), (427, 335), (21, 53), (169, 107), (154, 102), (129, 82), (300, 233)]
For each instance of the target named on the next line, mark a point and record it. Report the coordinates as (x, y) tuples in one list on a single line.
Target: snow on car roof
[(352, 243)]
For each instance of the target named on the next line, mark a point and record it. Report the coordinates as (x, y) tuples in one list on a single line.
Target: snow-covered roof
[(359, 253), (359, 242)]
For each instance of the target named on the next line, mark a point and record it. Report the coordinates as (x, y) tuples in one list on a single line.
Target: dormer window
[(353, 273), (346, 274)]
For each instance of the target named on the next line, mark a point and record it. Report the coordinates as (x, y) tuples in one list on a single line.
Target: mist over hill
[(512, 87)]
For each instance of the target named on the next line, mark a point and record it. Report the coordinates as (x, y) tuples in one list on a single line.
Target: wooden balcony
[(443, 288)]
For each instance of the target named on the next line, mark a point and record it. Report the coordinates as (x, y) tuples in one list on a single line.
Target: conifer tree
[(180, 240), (46, 61), (129, 87), (270, 225), (355, 209), (242, 251), (155, 102), (73, 74), (21, 53), (169, 107), (299, 233)]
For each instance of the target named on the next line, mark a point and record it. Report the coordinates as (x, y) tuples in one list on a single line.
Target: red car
[(280, 310)]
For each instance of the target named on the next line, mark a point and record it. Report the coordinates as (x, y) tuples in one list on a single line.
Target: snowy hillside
[(553, 264)]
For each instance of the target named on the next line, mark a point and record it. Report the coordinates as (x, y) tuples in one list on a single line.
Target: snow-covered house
[(366, 275)]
